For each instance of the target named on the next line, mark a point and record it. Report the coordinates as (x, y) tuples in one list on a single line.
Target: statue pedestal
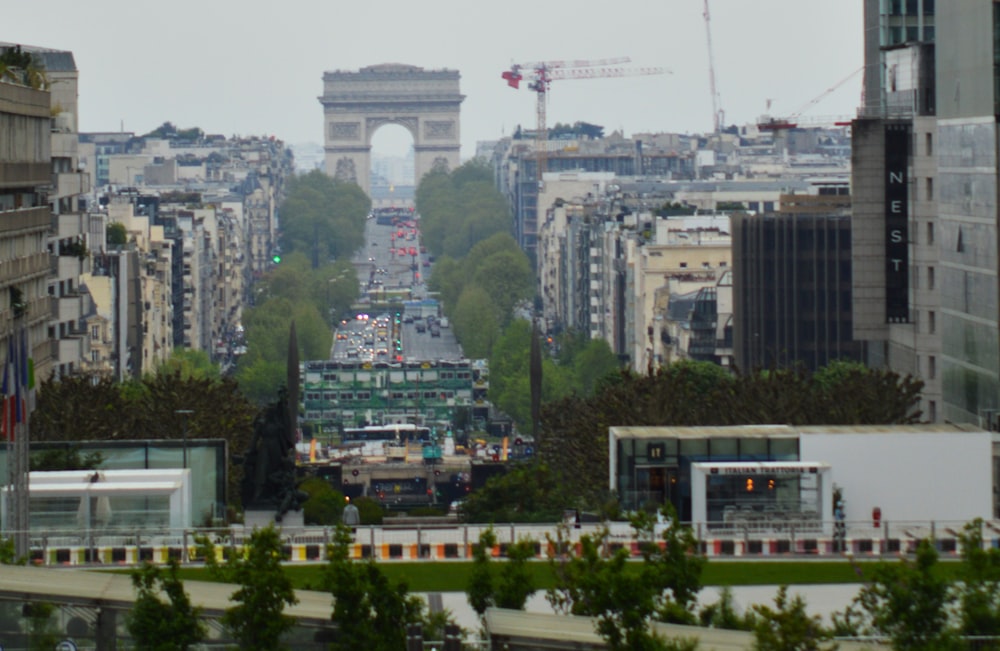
[(260, 518)]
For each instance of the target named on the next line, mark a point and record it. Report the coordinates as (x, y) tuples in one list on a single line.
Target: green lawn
[(453, 576)]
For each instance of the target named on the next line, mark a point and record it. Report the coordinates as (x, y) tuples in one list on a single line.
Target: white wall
[(945, 476)]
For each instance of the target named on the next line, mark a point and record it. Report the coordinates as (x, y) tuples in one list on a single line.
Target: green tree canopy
[(460, 208), (158, 625), (82, 408), (368, 610), (574, 437), (323, 217), (257, 621)]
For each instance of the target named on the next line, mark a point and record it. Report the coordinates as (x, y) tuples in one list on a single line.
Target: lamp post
[(184, 414)]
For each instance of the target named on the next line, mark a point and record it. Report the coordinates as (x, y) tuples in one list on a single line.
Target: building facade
[(25, 220), (792, 300)]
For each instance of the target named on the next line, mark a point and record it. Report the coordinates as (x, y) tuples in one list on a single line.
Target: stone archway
[(356, 104)]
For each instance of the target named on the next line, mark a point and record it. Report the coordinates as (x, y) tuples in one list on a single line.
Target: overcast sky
[(255, 68)]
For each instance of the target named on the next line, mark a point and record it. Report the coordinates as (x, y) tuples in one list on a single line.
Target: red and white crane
[(795, 120), (539, 76)]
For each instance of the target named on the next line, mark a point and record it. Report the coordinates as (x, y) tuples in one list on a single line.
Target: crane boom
[(716, 111), (790, 122), (540, 75)]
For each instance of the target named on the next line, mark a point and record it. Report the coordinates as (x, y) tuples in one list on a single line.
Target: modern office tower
[(925, 212), (792, 290)]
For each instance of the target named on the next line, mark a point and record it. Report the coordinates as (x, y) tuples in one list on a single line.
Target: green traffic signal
[(276, 258)]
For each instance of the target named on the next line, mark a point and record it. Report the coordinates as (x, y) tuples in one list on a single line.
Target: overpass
[(107, 594)]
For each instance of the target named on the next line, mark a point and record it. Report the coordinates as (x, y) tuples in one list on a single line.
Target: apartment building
[(69, 240), (25, 220)]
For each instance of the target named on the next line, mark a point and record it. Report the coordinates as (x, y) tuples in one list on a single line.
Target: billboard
[(897, 247)]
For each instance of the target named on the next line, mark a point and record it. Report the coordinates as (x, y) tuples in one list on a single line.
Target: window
[(931, 323), (929, 143), (930, 277), (684, 265), (930, 188), (95, 332), (932, 410), (930, 232), (931, 367)]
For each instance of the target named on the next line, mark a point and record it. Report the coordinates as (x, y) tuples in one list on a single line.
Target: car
[(407, 318), (421, 327), (435, 330)]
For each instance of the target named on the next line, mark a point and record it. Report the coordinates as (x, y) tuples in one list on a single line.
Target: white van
[(443, 322)]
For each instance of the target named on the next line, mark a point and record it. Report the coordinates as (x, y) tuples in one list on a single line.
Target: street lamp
[(184, 414)]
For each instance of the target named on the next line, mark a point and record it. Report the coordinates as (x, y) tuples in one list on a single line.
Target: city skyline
[(232, 71)]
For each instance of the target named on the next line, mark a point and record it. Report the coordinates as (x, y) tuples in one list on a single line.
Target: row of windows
[(911, 7), (366, 395), (442, 375)]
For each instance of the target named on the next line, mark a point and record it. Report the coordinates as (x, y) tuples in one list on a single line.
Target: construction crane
[(539, 76), (718, 117), (793, 120)]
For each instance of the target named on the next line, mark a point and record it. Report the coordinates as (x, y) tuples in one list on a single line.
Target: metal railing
[(446, 538)]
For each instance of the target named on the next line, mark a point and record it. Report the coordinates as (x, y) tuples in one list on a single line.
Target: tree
[(476, 322), (787, 627), (156, 625), (368, 611), (325, 504), (526, 493), (480, 588), (258, 620), (978, 587), (594, 582), (908, 602), (514, 585), (323, 217), (116, 234), (673, 568), (189, 363), (64, 458), (575, 429)]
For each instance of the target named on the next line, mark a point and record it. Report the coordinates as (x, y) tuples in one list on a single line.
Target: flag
[(27, 376), (9, 394), (18, 350)]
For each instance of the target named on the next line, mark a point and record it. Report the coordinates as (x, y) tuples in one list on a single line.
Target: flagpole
[(21, 442)]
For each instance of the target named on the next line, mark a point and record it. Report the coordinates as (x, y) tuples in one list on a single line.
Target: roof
[(53, 60), (750, 431)]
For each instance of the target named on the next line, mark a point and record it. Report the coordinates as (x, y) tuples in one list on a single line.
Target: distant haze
[(256, 69)]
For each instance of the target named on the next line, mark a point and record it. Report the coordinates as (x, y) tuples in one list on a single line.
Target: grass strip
[(453, 576)]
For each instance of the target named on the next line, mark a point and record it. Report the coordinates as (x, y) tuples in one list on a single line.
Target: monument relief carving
[(344, 130), (346, 171), (437, 129)]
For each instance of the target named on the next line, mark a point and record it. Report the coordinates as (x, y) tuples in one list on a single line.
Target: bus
[(395, 432)]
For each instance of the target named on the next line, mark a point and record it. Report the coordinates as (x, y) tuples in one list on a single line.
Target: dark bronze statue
[(269, 464)]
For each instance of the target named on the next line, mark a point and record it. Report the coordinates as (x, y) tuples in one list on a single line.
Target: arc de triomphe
[(356, 104)]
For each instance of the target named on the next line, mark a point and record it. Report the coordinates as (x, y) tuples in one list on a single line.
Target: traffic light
[(276, 258)]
